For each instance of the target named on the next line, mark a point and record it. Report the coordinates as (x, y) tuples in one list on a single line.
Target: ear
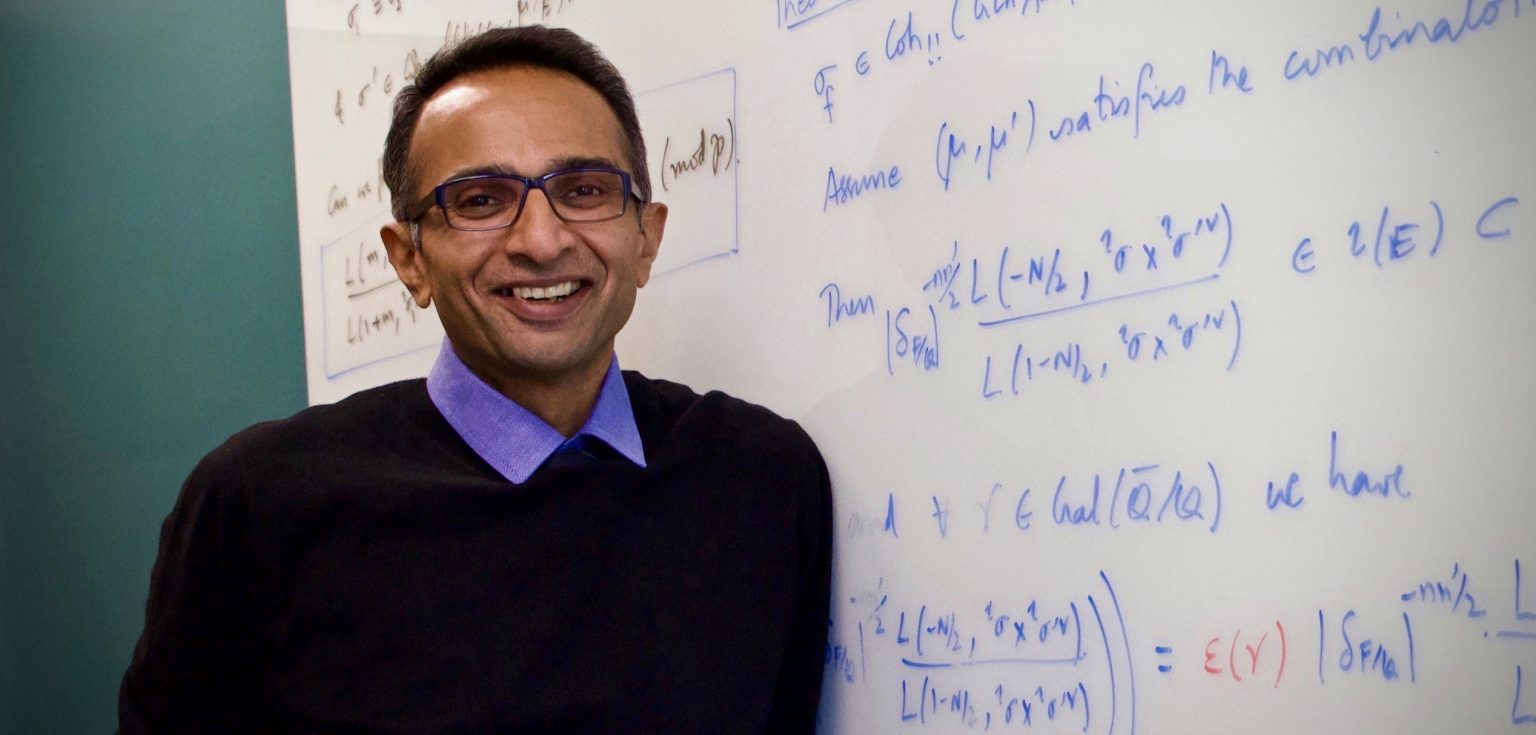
[(653, 222), (409, 262)]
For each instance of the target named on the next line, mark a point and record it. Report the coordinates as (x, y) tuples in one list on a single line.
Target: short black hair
[(535, 46)]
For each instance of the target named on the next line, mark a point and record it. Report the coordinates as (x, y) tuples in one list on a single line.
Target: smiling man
[(530, 539)]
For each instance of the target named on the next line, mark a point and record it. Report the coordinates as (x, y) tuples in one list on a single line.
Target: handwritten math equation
[(996, 292), (1078, 663)]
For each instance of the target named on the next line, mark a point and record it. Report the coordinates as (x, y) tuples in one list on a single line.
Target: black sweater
[(358, 568)]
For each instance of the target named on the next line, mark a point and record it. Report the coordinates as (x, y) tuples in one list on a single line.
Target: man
[(528, 540)]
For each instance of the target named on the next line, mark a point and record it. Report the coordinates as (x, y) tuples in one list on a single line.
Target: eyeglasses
[(494, 201)]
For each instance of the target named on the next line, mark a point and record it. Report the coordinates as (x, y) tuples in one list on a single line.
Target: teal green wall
[(149, 307)]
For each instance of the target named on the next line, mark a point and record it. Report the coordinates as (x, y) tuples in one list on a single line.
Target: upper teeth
[(545, 292)]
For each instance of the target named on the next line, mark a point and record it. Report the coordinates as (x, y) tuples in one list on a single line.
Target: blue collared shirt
[(509, 437)]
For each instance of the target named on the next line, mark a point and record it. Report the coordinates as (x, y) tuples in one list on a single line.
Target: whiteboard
[(1173, 361)]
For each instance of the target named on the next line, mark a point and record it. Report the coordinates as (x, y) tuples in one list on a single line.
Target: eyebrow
[(558, 164)]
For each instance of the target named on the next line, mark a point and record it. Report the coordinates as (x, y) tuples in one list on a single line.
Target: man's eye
[(481, 202), (585, 191), (477, 200)]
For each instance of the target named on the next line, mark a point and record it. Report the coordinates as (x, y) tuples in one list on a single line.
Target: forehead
[(521, 119)]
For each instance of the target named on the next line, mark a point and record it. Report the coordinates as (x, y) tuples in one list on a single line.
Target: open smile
[(542, 294)]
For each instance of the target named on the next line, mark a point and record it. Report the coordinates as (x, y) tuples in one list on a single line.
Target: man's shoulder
[(675, 402), (673, 410), (358, 421)]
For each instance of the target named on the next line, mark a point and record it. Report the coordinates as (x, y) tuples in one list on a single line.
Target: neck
[(564, 401)]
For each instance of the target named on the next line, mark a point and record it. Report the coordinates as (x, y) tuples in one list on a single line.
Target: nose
[(538, 234)]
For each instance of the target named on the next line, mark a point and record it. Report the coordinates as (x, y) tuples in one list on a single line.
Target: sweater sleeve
[(194, 668), (797, 694)]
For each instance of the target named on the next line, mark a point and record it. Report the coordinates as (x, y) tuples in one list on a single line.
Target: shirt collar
[(509, 437)]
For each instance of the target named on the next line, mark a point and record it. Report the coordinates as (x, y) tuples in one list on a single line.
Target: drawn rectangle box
[(691, 134), (367, 314)]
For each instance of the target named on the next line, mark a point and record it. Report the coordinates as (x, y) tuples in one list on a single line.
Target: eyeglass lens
[(485, 203)]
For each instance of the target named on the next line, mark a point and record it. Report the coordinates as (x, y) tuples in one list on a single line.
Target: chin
[(549, 366)]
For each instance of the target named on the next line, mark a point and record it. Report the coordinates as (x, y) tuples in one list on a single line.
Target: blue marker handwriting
[(963, 145), (1023, 660), (1181, 333), (1454, 592), (1009, 372), (967, 14), (794, 13), (1384, 36), (912, 338), (956, 146), (904, 37), (840, 309), (1013, 284), (1284, 495), (1008, 704), (1387, 659), (1146, 494), (1223, 77), (848, 188), (1360, 482), (1116, 104), (1352, 482), (822, 84), (901, 38), (859, 524), (1151, 495), (1026, 366), (1521, 716), (1395, 236)]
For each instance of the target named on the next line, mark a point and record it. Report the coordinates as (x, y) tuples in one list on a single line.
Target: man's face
[(492, 288)]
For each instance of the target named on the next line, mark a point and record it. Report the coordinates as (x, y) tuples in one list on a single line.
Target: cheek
[(454, 292), (454, 277), (624, 258)]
